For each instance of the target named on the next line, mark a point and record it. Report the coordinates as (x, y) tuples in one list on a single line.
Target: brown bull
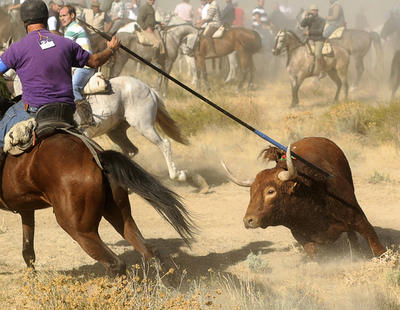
[(317, 209)]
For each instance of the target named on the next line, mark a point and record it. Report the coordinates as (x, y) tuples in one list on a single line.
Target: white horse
[(131, 103)]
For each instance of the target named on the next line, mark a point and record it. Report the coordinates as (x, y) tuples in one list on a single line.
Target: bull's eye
[(269, 191)]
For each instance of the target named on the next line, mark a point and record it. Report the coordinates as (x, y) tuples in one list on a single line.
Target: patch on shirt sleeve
[(3, 67)]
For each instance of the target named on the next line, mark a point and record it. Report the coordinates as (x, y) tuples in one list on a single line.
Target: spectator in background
[(228, 14), (277, 20), (118, 15), (185, 11), (239, 16), (13, 10), (286, 9), (133, 10), (95, 17), (204, 11), (361, 20), (53, 22)]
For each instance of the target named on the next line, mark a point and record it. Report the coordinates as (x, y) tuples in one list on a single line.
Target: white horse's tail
[(165, 121)]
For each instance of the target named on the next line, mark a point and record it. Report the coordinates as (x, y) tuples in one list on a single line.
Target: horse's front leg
[(294, 82), (119, 137), (28, 231)]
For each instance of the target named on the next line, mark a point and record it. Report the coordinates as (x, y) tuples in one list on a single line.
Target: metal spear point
[(206, 100)]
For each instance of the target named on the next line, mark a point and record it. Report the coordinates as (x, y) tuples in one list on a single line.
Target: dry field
[(228, 266)]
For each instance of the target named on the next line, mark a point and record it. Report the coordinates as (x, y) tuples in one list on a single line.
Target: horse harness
[(51, 119)]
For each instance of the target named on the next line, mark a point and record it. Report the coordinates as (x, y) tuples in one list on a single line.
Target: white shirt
[(204, 13)]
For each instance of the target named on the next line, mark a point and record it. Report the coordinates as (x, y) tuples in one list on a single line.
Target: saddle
[(338, 33), (219, 33), (49, 118), (327, 49)]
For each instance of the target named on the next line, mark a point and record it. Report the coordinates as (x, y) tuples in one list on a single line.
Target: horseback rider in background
[(335, 18), (213, 21), (43, 62), (315, 28), (147, 21)]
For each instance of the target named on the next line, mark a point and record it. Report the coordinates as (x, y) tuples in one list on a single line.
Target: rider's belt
[(56, 112), (30, 109)]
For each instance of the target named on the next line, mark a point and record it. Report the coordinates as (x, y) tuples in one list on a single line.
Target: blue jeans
[(79, 80), (329, 30), (15, 114)]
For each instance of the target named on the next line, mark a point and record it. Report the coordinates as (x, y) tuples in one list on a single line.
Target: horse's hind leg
[(118, 136), (81, 221), (359, 63), (28, 231), (335, 77), (118, 214)]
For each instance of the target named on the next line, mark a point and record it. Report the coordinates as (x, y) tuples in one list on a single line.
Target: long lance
[(206, 100)]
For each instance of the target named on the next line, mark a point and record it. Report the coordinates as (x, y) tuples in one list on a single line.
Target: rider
[(213, 21), (315, 28), (53, 23), (77, 33), (260, 22), (335, 19), (228, 14), (43, 62), (147, 21), (96, 18)]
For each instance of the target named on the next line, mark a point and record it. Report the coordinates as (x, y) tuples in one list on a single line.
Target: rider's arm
[(335, 13), (3, 67), (100, 58)]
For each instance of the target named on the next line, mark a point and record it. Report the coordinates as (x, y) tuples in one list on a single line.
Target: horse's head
[(391, 25), (280, 42)]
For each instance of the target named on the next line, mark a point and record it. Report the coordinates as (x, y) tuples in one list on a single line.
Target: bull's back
[(325, 154)]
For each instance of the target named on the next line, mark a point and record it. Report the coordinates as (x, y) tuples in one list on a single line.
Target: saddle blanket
[(327, 50), (20, 137), (219, 33), (130, 28), (97, 84), (337, 34)]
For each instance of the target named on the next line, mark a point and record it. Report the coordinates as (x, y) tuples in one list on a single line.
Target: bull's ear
[(271, 154), (292, 188)]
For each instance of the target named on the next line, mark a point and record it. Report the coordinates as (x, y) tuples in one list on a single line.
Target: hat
[(34, 12), (58, 2), (95, 3), (314, 7)]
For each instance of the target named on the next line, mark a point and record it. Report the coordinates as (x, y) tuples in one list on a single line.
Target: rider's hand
[(114, 44)]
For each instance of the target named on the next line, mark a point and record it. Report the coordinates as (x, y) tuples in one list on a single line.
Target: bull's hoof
[(196, 180)]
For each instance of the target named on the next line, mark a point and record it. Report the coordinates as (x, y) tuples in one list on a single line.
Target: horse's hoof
[(182, 176)]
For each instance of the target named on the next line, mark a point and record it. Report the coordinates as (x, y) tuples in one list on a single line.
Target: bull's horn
[(246, 183), (291, 173)]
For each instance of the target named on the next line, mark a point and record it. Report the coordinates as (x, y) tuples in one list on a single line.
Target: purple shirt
[(45, 74)]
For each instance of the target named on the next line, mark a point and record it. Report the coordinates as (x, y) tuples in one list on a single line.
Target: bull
[(316, 208)]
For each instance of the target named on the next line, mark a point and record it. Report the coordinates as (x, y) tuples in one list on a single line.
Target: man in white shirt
[(185, 11)]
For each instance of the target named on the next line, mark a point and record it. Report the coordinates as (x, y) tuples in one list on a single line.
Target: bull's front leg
[(28, 230), (308, 245)]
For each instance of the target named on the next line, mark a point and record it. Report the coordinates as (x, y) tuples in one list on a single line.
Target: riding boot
[(84, 110), (320, 68)]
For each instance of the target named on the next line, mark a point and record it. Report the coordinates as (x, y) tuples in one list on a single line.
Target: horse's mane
[(294, 35)]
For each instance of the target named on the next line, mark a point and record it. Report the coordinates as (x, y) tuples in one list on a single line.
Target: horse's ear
[(9, 42)]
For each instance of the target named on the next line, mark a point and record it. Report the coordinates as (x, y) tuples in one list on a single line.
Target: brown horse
[(60, 172), (244, 41)]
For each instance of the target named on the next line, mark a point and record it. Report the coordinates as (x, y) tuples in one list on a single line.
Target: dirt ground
[(223, 243)]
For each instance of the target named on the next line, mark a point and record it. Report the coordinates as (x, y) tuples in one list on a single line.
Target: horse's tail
[(376, 40), (131, 176), (252, 43), (167, 124), (395, 69)]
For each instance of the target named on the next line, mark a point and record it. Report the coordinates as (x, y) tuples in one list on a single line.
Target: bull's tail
[(131, 176), (376, 41), (165, 121)]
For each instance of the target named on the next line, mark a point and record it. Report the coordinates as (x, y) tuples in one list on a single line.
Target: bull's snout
[(251, 222)]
